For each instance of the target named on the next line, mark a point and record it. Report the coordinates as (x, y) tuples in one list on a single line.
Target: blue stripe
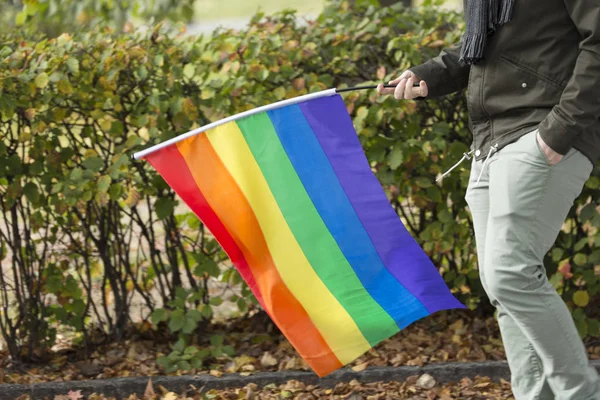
[(332, 203)]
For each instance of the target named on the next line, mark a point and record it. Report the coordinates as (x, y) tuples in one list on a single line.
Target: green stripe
[(317, 243)]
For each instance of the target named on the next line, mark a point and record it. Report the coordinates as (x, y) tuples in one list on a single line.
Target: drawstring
[(492, 149), (466, 156)]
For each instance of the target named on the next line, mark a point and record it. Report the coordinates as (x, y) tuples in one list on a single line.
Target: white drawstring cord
[(492, 149), (466, 156)]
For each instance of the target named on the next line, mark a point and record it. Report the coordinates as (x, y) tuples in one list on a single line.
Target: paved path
[(124, 387)]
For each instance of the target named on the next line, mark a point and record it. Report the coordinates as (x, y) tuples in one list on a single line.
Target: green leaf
[(207, 93), (177, 320), (184, 366), (242, 305), (189, 71), (205, 265), (20, 18), (30, 190), (228, 350), (582, 327), (588, 212), (581, 298), (396, 157), (196, 362), (164, 207), (195, 315), (189, 326), (424, 182), (216, 301), (594, 327), (181, 293), (41, 81), (179, 346), (580, 244), (54, 283), (73, 65), (94, 164), (580, 259), (557, 254), (115, 191), (76, 174), (159, 315), (103, 183), (217, 340), (445, 216)]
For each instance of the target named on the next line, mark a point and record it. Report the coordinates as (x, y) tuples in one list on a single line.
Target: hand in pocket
[(552, 156)]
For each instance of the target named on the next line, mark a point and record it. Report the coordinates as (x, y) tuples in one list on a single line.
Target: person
[(532, 69)]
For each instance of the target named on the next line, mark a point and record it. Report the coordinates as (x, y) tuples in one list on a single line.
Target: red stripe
[(171, 165)]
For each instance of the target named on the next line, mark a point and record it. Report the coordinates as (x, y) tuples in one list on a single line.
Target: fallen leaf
[(170, 396), (425, 381), (149, 392), (74, 395), (216, 373), (458, 327), (267, 360), (360, 367), (305, 396), (243, 360), (250, 393)]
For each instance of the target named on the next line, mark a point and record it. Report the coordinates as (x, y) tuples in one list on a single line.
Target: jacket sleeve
[(444, 74), (579, 105)]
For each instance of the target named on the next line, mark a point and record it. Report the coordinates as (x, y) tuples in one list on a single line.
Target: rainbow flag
[(288, 193)]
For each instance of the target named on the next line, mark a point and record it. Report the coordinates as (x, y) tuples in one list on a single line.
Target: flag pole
[(279, 104), (350, 89)]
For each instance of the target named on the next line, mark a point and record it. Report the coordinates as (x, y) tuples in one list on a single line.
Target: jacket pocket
[(512, 87)]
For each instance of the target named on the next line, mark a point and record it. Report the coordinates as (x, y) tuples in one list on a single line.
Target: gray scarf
[(483, 17)]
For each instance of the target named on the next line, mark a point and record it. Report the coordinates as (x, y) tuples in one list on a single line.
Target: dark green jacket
[(541, 70)]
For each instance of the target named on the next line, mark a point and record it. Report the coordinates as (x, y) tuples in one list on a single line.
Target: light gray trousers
[(518, 209)]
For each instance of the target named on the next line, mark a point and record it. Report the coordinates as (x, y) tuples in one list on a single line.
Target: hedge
[(96, 243)]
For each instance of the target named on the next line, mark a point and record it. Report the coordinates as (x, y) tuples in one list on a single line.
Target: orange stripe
[(229, 203)]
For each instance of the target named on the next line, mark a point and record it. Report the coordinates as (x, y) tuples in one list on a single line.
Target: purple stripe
[(400, 253)]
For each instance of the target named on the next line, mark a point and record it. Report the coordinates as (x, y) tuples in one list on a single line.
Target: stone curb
[(123, 387)]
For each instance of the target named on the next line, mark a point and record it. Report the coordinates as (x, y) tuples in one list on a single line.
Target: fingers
[(383, 90), (409, 91), (404, 75), (424, 91), (406, 87)]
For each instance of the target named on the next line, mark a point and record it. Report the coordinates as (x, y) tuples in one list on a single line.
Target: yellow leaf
[(216, 373), (360, 367), (170, 396), (30, 114), (41, 81), (458, 327), (581, 298)]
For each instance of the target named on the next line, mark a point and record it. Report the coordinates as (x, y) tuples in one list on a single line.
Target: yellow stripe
[(335, 324)]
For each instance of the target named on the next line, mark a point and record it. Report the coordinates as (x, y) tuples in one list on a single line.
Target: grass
[(231, 9)]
